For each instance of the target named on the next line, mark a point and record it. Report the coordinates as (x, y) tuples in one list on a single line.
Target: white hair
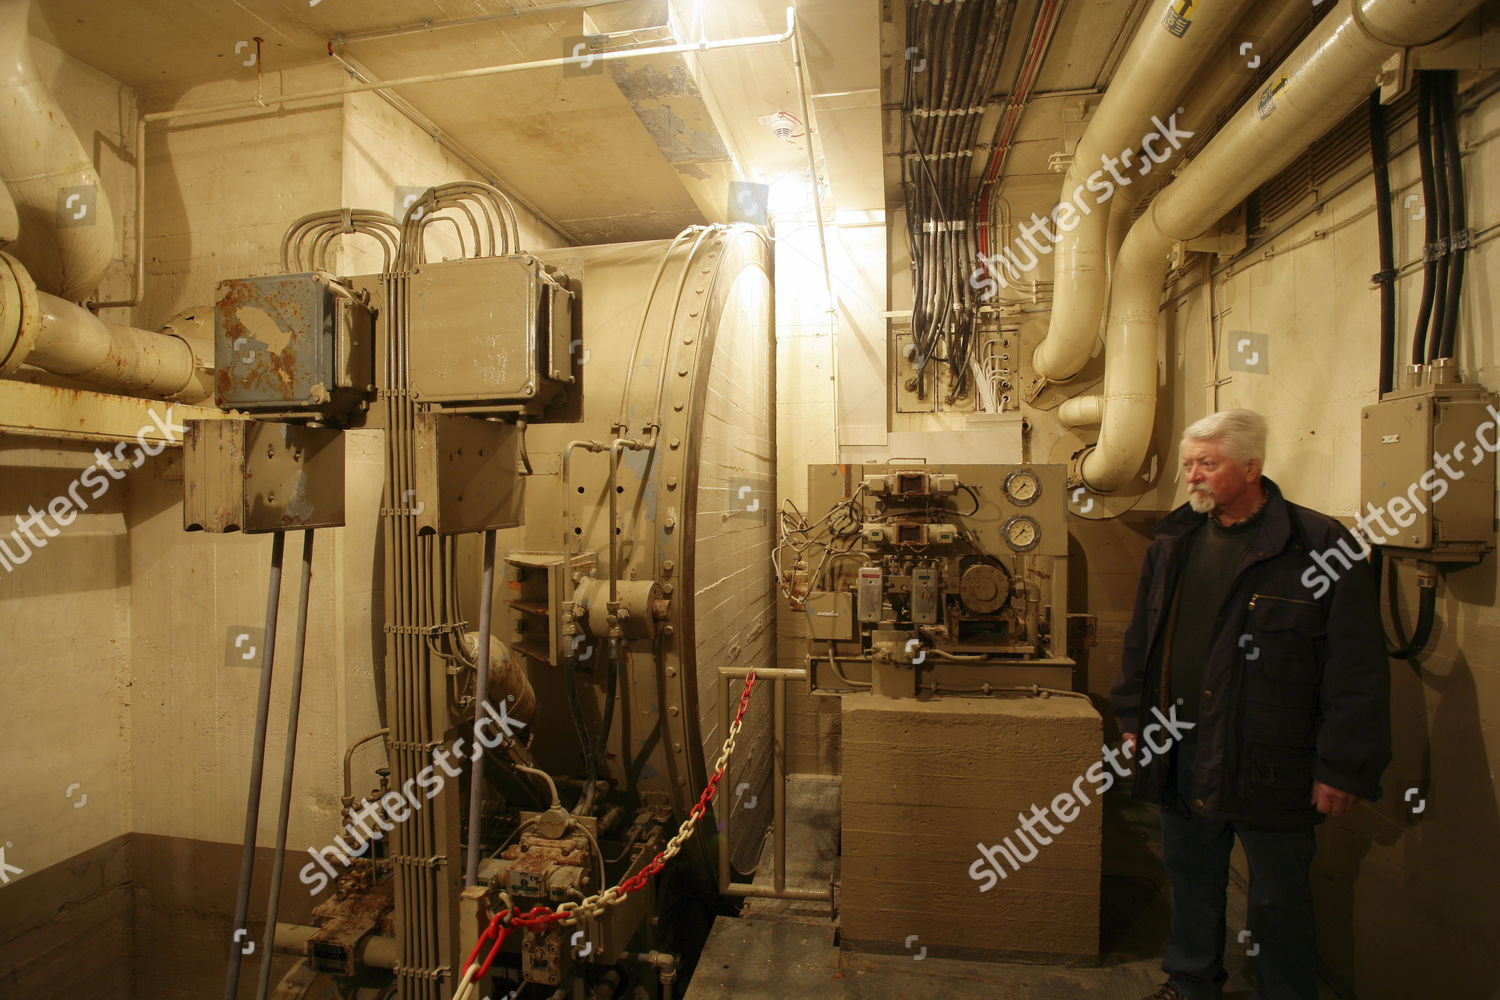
[(1241, 434)]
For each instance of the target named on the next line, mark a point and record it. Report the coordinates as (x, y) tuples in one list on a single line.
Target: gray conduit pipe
[(294, 709), (1162, 57), (1325, 78), (481, 692), (257, 770)]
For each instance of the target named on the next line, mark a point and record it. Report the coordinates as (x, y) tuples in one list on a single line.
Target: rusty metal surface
[(345, 920), (538, 868), (245, 475), (32, 410), (288, 342)]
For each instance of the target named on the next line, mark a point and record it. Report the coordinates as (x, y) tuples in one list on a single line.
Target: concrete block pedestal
[(927, 783)]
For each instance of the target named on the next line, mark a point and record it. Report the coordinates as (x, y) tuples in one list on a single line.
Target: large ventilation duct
[(1165, 53), (59, 337), (1327, 76), (67, 230), (1223, 79)]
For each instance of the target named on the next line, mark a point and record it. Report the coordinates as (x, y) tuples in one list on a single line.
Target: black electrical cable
[(611, 687), (1458, 240), (974, 496), (575, 707), (1385, 278), (955, 52), (1429, 213), (1426, 613), (1444, 218)]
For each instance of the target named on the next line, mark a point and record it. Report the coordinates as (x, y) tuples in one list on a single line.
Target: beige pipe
[(1322, 81), (10, 222), (1154, 71), (1081, 411), (67, 237), (1222, 80), (56, 336)]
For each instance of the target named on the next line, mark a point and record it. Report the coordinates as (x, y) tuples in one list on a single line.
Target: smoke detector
[(784, 126)]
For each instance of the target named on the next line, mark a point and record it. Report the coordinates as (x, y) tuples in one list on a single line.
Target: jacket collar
[(1275, 528)]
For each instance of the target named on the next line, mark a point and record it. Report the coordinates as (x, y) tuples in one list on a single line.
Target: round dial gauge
[(1022, 533), (1022, 487)]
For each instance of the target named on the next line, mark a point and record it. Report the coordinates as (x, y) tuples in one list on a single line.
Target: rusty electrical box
[(291, 344)]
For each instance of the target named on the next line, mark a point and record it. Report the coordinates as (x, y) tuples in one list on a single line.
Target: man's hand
[(1127, 745), (1332, 801)]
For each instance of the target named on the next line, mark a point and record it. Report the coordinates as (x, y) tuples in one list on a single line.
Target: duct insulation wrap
[(694, 513)]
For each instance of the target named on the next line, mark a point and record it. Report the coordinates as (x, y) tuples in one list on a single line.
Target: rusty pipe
[(59, 337)]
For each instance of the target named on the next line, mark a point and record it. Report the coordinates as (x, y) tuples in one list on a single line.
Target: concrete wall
[(127, 715), (1396, 887)]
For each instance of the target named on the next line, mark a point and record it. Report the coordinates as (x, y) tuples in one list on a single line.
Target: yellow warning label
[(1179, 17)]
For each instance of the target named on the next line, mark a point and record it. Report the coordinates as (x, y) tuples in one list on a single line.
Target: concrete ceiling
[(628, 149), (634, 149)]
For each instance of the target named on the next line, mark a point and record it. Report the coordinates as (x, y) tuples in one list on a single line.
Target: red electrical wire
[(1036, 49)]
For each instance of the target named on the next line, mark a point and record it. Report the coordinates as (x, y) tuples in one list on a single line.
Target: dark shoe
[(1165, 992)]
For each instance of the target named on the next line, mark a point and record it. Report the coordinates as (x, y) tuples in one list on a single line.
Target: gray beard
[(1203, 503)]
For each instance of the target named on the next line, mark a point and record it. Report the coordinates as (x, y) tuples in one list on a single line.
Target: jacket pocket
[(1277, 777), (1284, 639)]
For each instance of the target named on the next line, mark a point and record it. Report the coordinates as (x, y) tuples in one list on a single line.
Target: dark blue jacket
[(1297, 685)]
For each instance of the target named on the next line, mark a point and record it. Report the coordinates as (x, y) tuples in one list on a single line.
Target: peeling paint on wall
[(671, 107)]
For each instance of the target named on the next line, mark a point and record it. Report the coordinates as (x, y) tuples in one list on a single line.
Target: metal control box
[(870, 593), (468, 475), (830, 615), (490, 330), (254, 476), (924, 596), (292, 343), (1427, 479)]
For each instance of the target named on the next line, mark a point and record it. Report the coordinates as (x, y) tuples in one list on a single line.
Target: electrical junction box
[(830, 615), (1428, 470), (490, 330), (258, 476), (468, 475), (292, 343)]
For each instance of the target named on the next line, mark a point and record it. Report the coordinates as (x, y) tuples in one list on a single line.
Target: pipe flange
[(20, 315), (1083, 501), (1365, 29)]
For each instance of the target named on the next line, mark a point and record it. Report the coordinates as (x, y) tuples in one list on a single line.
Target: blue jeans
[(1196, 851)]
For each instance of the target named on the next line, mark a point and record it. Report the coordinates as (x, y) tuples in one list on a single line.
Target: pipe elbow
[(1124, 439)]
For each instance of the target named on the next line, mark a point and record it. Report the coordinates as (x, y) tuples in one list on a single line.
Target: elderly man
[(1282, 704)]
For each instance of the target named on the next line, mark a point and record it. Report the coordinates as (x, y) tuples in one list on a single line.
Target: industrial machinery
[(591, 426), (927, 578)]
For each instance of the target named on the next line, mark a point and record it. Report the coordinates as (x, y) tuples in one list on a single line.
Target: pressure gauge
[(1022, 487), (1022, 533)]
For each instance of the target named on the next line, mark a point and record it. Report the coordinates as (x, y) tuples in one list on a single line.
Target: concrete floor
[(777, 950)]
